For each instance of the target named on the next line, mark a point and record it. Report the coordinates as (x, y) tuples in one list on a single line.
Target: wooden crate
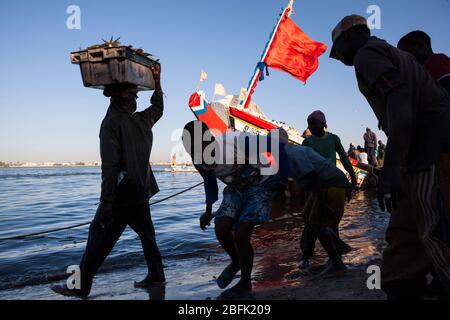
[(105, 66)]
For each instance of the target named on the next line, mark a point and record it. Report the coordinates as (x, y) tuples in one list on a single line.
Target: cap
[(345, 24)]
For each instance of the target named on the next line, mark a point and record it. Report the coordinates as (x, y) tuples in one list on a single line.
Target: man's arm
[(399, 116), (345, 161), (212, 195), (155, 111), (211, 187), (110, 152)]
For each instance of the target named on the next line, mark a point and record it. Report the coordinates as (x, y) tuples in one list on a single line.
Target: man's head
[(367, 129), (418, 43), (197, 137), (124, 95), (317, 123), (380, 142), (349, 35)]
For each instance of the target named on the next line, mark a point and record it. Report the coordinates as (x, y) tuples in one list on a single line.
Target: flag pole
[(266, 51)]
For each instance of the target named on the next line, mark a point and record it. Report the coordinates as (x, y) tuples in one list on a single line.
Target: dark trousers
[(371, 156), (101, 242)]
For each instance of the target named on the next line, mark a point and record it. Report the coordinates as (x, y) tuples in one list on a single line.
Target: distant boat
[(174, 167)]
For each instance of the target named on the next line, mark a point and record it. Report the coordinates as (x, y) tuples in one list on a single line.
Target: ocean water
[(35, 200)]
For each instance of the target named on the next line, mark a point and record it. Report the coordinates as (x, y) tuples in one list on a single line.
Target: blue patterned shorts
[(252, 205)]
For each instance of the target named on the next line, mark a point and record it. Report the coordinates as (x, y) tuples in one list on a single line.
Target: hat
[(319, 116), (345, 24)]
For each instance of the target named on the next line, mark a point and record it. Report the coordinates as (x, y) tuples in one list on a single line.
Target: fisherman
[(370, 145), (247, 197), (418, 43), (127, 185), (415, 115), (327, 145), (329, 187), (381, 152)]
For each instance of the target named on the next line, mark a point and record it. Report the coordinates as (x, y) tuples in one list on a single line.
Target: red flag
[(293, 51)]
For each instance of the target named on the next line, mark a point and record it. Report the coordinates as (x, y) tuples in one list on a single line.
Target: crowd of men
[(406, 87)]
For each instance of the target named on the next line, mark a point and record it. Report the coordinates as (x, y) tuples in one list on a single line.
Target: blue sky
[(47, 115)]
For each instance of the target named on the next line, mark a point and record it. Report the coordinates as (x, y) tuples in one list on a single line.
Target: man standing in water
[(329, 187), (127, 184), (415, 115), (247, 197), (327, 145)]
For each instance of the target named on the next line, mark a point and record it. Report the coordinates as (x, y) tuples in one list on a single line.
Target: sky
[(47, 115)]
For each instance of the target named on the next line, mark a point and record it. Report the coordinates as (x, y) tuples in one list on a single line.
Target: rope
[(21, 237)]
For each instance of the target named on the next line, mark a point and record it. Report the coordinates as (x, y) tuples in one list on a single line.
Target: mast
[(256, 74)]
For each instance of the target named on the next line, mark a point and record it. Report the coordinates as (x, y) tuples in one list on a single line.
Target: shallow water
[(33, 200)]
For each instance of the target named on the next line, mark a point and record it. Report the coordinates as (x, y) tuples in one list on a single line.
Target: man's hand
[(103, 215), (389, 189), (156, 70), (205, 220)]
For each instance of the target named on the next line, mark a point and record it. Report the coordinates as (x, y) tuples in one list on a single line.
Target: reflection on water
[(277, 244)]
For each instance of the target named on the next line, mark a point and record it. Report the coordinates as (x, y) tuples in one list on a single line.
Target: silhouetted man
[(127, 185), (415, 115), (370, 145)]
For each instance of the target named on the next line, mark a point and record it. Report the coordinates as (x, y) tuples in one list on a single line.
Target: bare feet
[(227, 275)]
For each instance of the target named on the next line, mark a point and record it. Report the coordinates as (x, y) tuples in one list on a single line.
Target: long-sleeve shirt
[(327, 146), (126, 141)]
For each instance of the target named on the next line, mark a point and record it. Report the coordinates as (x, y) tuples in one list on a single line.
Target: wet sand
[(276, 275)]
